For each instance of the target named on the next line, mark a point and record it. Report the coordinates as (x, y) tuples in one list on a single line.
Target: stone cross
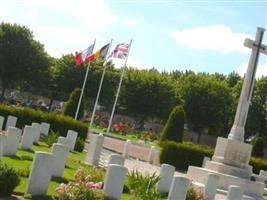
[(237, 131)]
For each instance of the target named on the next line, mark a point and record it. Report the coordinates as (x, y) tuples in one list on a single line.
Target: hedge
[(181, 155), (58, 123)]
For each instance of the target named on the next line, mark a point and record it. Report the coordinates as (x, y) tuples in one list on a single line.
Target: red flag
[(78, 59), (82, 56)]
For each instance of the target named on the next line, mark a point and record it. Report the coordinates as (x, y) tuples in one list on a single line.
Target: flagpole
[(84, 83), (119, 88), (99, 88)]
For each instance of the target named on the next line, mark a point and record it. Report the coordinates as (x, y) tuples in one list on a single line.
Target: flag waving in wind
[(82, 56), (120, 51), (100, 54)]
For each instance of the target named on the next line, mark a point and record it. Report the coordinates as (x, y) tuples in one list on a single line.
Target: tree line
[(209, 100)]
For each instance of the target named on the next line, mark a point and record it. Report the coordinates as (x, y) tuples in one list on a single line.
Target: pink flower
[(98, 186), (90, 185), (61, 189)]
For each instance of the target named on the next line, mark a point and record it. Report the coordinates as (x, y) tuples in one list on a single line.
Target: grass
[(74, 162), (23, 161), (128, 136)]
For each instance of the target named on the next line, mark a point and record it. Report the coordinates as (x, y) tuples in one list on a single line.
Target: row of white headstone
[(175, 186), (47, 165), (13, 138)]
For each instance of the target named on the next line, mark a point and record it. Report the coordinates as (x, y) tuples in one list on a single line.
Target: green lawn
[(128, 136), (23, 161)]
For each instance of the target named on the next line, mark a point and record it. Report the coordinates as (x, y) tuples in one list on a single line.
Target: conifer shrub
[(79, 145), (258, 147), (174, 127), (9, 180), (72, 103), (58, 123)]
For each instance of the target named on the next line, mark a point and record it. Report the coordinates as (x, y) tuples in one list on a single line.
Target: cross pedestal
[(231, 156)]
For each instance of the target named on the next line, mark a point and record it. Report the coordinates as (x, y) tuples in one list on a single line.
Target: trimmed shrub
[(258, 147), (174, 128), (9, 180), (58, 123), (258, 164), (79, 146), (181, 155), (72, 103)]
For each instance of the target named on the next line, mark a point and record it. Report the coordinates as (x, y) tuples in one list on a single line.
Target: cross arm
[(251, 44)]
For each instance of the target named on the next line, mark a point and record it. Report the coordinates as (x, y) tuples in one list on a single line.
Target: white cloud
[(261, 70), (92, 13), (218, 38), (132, 21), (62, 40)]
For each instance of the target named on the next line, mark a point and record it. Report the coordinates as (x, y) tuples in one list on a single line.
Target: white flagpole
[(84, 83), (100, 87), (119, 88)]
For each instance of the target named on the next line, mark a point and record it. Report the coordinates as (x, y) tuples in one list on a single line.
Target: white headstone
[(178, 188), (205, 159), (114, 181), (166, 176), (152, 154), (61, 152), (11, 121), (211, 186), (126, 148), (2, 119), (94, 150), (65, 141), (116, 159), (2, 144), (28, 137), (41, 173), (45, 128), (234, 193), (72, 136), (12, 141), (37, 127)]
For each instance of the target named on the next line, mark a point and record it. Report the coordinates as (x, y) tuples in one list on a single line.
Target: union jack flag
[(121, 51)]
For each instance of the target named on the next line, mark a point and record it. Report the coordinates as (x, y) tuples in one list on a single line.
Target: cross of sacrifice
[(237, 131)]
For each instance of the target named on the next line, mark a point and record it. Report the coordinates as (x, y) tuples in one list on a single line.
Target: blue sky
[(203, 36)]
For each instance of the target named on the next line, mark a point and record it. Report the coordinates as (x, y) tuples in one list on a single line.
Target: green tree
[(146, 93), (174, 127), (72, 103), (22, 59), (207, 103), (257, 116), (233, 78)]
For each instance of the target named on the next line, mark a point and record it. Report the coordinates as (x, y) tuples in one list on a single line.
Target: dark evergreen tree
[(71, 105), (174, 128)]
